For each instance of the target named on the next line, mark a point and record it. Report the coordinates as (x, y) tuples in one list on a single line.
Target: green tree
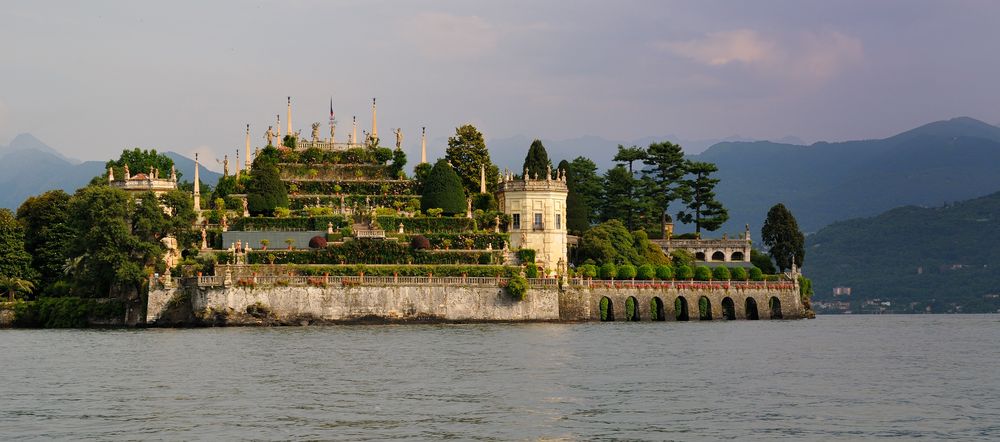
[(265, 190), (609, 242), (577, 207), (420, 174), (665, 168), (620, 202), (630, 155), (783, 238), (537, 163), (289, 141), (13, 285), (589, 187), (47, 234), (398, 163), (139, 161), (466, 152), (762, 261), (15, 262), (705, 211), (443, 190)]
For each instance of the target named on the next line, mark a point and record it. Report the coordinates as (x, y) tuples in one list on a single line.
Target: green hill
[(946, 258), (826, 182)]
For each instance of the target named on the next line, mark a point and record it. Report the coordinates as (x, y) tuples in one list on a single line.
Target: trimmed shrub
[(664, 272), (588, 270), (484, 201), (645, 272), (443, 190), (756, 274), (721, 273), (517, 288), (420, 242), (265, 191), (738, 274), (684, 272), (703, 273), (609, 271), (531, 270), (317, 242), (626, 271)]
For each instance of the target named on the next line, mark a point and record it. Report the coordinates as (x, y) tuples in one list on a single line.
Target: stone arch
[(719, 256), (631, 309), (737, 256), (751, 309), (699, 256), (607, 309), (775, 305), (704, 309), (681, 309), (728, 308), (656, 312)]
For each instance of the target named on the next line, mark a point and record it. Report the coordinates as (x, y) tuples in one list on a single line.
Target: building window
[(558, 221), (538, 222), (516, 221)]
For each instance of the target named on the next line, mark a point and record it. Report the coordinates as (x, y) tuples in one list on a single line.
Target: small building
[(143, 182), (537, 208), (722, 250)]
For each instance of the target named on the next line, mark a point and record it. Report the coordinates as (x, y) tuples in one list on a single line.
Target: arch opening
[(718, 256), (728, 309), (681, 308), (704, 309), (737, 256), (775, 305), (631, 309), (607, 309), (656, 312), (699, 256), (751, 309)]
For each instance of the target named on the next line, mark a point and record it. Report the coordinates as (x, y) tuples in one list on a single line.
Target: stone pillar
[(354, 129), (248, 149), (374, 121), (197, 186), (482, 178), (423, 145), (289, 118)]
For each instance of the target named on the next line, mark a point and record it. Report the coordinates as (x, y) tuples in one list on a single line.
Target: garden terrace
[(420, 224), (300, 201), (369, 187), (367, 269), (289, 224), (350, 156), (333, 172), (374, 251), (324, 281)]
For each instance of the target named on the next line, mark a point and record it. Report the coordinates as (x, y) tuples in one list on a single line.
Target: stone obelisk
[(482, 178), (374, 121), (248, 149), (289, 118), (354, 129), (423, 145), (197, 186)]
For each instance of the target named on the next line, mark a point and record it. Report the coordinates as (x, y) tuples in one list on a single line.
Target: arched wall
[(791, 307)]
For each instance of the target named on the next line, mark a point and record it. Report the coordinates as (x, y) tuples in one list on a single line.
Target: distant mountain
[(30, 167), (944, 258), (825, 182)]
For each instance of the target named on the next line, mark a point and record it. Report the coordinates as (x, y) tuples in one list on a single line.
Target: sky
[(92, 78)]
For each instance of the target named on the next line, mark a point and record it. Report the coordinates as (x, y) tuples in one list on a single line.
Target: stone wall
[(790, 303)]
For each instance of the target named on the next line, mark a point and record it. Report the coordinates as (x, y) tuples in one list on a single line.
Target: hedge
[(479, 241), (721, 274), (334, 172), (703, 273), (664, 272), (320, 156), (738, 274), (372, 251), (645, 272), (608, 271), (426, 224), (684, 272), (404, 270), (370, 187), (301, 200), (756, 274), (289, 224), (626, 271), (517, 288)]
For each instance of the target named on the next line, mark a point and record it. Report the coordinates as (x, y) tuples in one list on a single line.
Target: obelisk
[(248, 149), (374, 121), (423, 145), (197, 186), (482, 178), (289, 132), (354, 129)]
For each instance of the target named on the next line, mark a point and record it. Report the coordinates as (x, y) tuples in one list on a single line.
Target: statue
[(246, 209), (329, 228), (399, 137), (333, 129), (128, 176), (171, 256), (297, 134), (173, 173), (111, 174), (315, 132), (224, 222), (204, 235), (270, 135), (225, 165), (496, 228), (548, 172)]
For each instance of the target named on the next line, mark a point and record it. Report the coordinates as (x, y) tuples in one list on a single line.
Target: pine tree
[(589, 186), (536, 163), (577, 209), (664, 173), (620, 202), (783, 238), (466, 152), (443, 190), (705, 211)]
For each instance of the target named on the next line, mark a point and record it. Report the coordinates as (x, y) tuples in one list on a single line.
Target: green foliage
[(468, 239), (588, 270), (265, 190), (443, 190), (721, 273), (620, 201), (631, 309), (664, 272), (684, 272), (289, 224), (763, 261), (46, 235), (805, 288), (484, 201), (398, 163), (526, 255), (654, 310), (704, 309), (537, 163), (645, 272), (665, 168), (289, 141), (11, 286), (373, 251), (681, 257), (578, 206), (426, 224), (66, 312), (703, 273), (609, 271), (443, 270), (420, 174), (606, 312), (609, 242), (517, 288), (705, 210), (756, 274), (467, 152), (783, 238), (531, 270), (140, 161), (14, 259), (738, 274), (626, 271)]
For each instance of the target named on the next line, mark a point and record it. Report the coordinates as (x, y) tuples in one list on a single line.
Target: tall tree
[(620, 202), (705, 211), (783, 238), (589, 185), (265, 190), (48, 234), (664, 173), (15, 262), (577, 209), (630, 155), (537, 163), (466, 152), (420, 174), (443, 190)]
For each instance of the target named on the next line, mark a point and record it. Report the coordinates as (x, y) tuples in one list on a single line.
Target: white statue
[(270, 135), (333, 129), (399, 137), (315, 132)]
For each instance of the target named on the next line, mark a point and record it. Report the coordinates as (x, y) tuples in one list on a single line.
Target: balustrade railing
[(280, 281)]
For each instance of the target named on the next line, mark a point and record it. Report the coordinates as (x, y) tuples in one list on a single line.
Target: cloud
[(809, 56), (447, 36)]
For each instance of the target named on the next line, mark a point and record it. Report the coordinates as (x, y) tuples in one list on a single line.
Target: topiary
[(443, 190), (721, 273), (626, 271), (588, 270), (738, 273), (317, 242), (265, 191), (645, 272), (664, 272), (609, 271), (531, 271), (756, 274), (684, 272), (420, 242), (703, 273), (517, 288)]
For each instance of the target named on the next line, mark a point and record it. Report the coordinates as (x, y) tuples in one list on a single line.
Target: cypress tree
[(443, 189), (265, 191), (783, 238), (577, 208), (537, 161)]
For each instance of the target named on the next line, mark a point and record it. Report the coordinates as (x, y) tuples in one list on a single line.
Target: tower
[(197, 186), (374, 121), (248, 149), (423, 145), (537, 208)]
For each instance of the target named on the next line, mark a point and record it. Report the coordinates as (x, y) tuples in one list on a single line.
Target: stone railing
[(283, 281), (303, 144), (701, 243), (681, 285), (371, 233)]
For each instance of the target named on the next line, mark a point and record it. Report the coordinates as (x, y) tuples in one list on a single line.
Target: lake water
[(832, 378)]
